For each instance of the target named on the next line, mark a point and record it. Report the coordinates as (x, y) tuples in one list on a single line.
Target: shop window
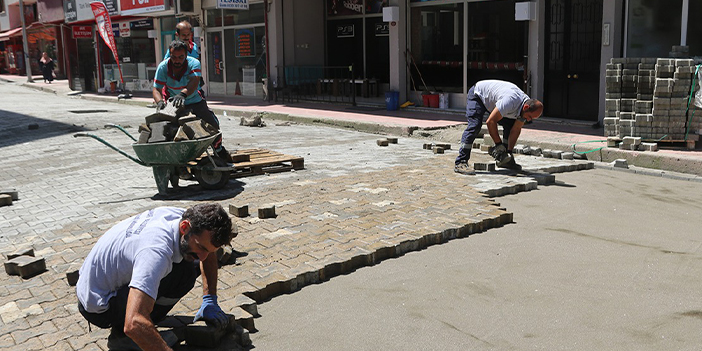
[(437, 47), (496, 42), (654, 27), (218, 18)]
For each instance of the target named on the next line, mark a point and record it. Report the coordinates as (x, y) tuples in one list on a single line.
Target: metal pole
[(27, 66)]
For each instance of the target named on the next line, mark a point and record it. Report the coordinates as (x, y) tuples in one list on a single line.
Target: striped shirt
[(166, 77)]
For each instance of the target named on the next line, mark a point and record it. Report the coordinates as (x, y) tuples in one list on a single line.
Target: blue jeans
[(171, 289), (475, 110)]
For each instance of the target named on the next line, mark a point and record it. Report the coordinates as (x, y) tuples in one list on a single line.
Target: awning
[(5, 36)]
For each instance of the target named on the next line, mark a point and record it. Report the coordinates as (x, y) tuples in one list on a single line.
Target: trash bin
[(392, 99), (430, 100), (444, 101)]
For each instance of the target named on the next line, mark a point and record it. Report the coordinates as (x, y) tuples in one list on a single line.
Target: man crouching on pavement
[(140, 268), (508, 106)]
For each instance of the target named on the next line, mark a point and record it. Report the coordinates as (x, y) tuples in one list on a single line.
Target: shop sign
[(245, 46), (124, 30), (70, 11), (130, 7), (142, 24), (82, 32), (115, 30), (80, 10), (111, 6), (382, 29), (233, 4), (344, 7), (344, 31)]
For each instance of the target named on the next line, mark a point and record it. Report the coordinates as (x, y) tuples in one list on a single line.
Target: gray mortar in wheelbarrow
[(168, 158)]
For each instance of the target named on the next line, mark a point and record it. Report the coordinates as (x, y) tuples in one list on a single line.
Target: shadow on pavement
[(18, 128), (195, 192)]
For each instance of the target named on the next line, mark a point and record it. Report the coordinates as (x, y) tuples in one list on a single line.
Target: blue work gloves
[(179, 100), (211, 313)]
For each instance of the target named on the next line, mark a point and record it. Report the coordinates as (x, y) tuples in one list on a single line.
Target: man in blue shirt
[(184, 31), (178, 78), (508, 106)]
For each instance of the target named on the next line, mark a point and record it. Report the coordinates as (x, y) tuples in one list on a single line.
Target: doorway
[(572, 72), (236, 63)]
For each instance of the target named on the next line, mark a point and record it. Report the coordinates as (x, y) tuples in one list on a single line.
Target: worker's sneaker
[(118, 341), (463, 168)]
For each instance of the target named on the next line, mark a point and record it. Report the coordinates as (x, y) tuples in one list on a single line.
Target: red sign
[(82, 32), (104, 26), (130, 7)]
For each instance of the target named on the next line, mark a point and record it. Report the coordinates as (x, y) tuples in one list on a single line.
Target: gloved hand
[(179, 100), (160, 105), (211, 313), (499, 151)]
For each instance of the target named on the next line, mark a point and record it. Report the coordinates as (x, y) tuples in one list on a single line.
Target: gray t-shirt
[(138, 252), (505, 96)]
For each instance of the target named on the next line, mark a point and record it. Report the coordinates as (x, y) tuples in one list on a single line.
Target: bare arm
[(193, 84), (495, 116), (137, 323), (514, 134), (156, 93), (209, 274)]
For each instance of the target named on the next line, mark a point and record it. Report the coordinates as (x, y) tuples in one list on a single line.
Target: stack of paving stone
[(165, 126), (648, 98)]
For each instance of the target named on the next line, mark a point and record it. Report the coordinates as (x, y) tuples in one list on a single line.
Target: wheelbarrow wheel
[(209, 178)]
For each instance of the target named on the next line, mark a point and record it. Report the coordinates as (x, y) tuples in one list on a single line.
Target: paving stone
[(23, 252), (196, 130), (202, 335), (382, 142), (242, 318), (5, 200), (445, 146), (392, 140), (246, 303), (239, 211), (266, 212), (158, 132), (438, 150), (620, 163), (25, 266), (484, 166), (12, 192), (567, 156)]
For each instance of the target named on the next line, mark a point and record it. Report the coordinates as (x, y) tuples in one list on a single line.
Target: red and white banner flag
[(104, 25)]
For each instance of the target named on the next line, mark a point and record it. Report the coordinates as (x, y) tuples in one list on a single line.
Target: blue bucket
[(392, 100)]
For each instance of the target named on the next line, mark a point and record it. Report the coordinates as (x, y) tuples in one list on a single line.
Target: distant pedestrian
[(507, 106), (46, 64)]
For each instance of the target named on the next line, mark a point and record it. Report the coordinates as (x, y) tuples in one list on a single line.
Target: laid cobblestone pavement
[(355, 204)]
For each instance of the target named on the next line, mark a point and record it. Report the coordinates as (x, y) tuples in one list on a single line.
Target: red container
[(430, 100)]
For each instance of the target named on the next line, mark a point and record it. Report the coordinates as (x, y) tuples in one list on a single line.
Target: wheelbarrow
[(172, 158)]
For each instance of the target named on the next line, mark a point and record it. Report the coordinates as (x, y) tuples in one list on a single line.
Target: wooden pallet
[(264, 161), (260, 161)]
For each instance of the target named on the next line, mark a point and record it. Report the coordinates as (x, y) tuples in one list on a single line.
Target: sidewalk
[(547, 133)]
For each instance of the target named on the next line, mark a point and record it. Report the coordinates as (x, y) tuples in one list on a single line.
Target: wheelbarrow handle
[(111, 147), (110, 125)]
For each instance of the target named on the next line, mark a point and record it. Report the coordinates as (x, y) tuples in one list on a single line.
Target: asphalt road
[(603, 261)]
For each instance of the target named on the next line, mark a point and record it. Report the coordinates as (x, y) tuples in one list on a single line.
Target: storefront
[(358, 36), (136, 54), (453, 45), (235, 55)]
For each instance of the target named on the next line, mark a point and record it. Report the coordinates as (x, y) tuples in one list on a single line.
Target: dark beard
[(185, 249)]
